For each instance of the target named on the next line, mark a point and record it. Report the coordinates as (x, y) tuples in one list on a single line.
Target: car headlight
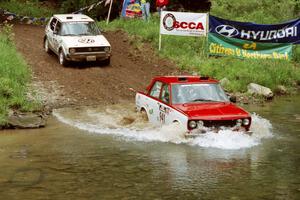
[(106, 49), (72, 50), (200, 123), (239, 122), (246, 122), (192, 124)]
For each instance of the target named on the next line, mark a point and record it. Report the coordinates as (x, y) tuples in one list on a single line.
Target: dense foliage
[(32, 8)]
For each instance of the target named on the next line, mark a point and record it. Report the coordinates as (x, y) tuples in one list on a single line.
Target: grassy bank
[(190, 53), (31, 8), (14, 78)]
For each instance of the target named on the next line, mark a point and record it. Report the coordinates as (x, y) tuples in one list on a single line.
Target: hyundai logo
[(226, 30)]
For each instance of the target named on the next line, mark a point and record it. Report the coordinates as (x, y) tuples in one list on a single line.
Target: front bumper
[(203, 130), (88, 56)]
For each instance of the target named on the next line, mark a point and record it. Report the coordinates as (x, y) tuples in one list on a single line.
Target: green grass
[(190, 53), (30, 8), (14, 78), (262, 11)]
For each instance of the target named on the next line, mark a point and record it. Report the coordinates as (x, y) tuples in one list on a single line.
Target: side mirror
[(232, 99)]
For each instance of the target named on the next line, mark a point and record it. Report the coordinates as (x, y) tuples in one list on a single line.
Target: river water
[(111, 153)]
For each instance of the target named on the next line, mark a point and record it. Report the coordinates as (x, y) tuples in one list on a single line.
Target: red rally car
[(197, 103)]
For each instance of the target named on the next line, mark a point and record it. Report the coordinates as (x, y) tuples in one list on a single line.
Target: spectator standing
[(145, 6), (161, 5)]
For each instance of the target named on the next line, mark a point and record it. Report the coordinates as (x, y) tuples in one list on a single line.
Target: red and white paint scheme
[(199, 104)]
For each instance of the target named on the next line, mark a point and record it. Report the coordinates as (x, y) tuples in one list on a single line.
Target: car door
[(164, 108), (49, 32), (153, 103), (57, 36)]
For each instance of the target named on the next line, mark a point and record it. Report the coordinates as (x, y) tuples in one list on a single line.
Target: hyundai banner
[(224, 46), (288, 32), (183, 23)]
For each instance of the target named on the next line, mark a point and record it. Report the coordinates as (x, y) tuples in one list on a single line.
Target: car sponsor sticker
[(86, 40)]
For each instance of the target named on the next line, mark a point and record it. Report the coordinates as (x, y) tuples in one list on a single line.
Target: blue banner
[(288, 32)]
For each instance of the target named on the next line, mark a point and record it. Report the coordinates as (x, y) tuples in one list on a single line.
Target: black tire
[(144, 115), (107, 61), (62, 58), (46, 46)]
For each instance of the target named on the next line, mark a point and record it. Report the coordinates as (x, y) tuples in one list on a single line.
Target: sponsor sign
[(226, 46), (288, 32), (182, 23)]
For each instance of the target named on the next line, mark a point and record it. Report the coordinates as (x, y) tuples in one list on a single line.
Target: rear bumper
[(85, 56)]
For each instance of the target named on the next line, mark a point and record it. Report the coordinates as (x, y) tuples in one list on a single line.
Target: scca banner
[(224, 46), (288, 32), (182, 23)]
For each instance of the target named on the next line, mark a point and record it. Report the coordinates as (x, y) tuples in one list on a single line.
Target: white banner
[(183, 23)]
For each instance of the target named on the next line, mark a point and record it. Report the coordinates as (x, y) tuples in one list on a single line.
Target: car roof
[(185, 79), (73, 18)]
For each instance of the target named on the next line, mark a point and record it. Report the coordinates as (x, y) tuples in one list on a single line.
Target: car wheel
[(144, 115), (62, 58), (46, 46), (107, 61)]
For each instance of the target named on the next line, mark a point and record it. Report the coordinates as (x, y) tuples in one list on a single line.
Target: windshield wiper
[(203, 100), (85, 34), (69, 34)]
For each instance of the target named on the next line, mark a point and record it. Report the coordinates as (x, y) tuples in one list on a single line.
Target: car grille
[(89, 49), (219, 123)]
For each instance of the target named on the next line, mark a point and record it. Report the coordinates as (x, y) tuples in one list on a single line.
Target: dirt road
[(90, 84)]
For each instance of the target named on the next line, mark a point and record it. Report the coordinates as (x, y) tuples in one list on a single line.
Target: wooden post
[(108, 16), (207, 31), (159, 45)]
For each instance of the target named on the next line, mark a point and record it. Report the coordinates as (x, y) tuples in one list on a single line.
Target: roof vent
[(69, 17), (204, 78)]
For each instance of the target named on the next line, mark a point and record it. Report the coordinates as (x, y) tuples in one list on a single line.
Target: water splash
[(126, 123)]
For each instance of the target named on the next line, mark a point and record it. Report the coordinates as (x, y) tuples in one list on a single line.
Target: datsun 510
[(196, 103)]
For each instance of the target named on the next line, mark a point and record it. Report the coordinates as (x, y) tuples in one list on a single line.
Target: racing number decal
[(163, 111)]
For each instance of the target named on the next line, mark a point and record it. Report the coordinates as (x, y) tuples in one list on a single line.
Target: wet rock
[(280, 90), (26, 120), (256, 89), (224, 82)]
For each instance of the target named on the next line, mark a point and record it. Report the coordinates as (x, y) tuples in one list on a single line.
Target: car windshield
[(79, 28), (198, 92)]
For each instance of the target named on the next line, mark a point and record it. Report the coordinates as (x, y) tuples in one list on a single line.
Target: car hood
[(85, 41), (212, 111)]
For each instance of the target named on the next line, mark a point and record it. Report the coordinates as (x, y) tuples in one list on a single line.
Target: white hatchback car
[(76, 37)]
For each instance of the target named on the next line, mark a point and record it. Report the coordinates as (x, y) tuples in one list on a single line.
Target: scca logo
[(190, 25), (226, 30), (170, 23)]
